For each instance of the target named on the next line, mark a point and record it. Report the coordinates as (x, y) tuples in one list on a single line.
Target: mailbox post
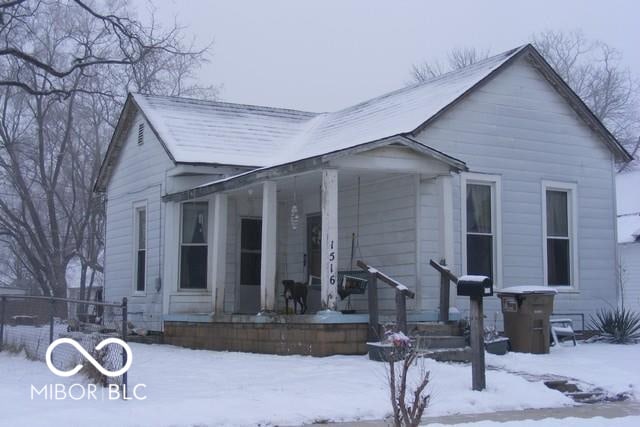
[(476, 288)]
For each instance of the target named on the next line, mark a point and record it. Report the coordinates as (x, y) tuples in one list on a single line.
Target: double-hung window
[(559, 233), (193, 245), (480, 215), (140, 247)]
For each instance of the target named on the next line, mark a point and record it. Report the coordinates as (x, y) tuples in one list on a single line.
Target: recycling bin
[(526, 311)]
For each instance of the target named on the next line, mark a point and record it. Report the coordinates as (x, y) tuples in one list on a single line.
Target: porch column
[(268, 258), (329, 257), (219, 259), (446, 227)]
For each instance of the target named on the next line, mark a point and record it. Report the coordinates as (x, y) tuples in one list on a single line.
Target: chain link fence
[(28, 324)]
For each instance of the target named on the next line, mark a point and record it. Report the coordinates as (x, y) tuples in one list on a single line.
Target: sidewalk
[(606, 410)]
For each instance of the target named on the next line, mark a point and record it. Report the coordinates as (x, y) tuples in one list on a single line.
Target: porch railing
[(402, 293), (446, 278)]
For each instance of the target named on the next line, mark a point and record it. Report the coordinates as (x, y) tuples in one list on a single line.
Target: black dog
[(297, 292)]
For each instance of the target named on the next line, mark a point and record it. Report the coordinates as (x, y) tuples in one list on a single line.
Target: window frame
[(207, 244), (495, 182), (571, 188), (137, 207)]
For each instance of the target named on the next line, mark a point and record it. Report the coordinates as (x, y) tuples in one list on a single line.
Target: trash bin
[(526, 311)]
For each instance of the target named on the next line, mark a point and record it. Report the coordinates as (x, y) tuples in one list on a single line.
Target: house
[(628, 202), (498, 168)]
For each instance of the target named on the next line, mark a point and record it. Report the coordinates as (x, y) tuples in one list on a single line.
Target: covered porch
[(308, 224)]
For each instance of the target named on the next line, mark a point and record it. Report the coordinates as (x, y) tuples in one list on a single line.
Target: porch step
[(434, 329), (460, 355)]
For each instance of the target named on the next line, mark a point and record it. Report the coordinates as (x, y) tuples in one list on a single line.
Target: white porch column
[(446, 228), (219, 259), (268, 258), (329, 257)]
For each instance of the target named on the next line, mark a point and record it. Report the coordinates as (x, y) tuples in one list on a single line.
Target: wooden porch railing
[(402, 292), (446, 276)]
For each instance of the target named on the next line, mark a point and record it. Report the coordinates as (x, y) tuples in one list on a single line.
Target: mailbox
[(475, 286)]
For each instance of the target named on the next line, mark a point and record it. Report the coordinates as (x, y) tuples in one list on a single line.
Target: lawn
[(197, 387)]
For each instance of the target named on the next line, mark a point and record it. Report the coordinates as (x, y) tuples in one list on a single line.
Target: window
[(140, 246), (481, 219), (559, 234), (250, 251), (193, 246), (140, 133)]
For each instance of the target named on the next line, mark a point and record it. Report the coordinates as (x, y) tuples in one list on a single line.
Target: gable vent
[(140, 133)]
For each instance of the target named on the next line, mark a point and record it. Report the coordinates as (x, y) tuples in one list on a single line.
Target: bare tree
[(64, 72), (593, 69), (456, 59)]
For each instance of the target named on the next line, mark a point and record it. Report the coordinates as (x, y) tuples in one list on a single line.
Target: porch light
[(295, 216)]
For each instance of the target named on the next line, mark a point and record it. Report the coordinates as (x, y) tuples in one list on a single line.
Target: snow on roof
[(628, 205), (197, 131)]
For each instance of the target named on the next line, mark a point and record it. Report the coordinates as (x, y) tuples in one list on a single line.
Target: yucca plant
[(619, 325)]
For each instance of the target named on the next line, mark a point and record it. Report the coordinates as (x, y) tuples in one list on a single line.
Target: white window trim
[(207, 290), (572, 212), (496, 209), (137, 206)]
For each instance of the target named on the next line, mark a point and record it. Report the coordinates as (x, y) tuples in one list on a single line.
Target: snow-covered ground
[(196, 387), (612, 367)]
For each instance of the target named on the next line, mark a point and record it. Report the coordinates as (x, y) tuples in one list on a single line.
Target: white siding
[(630, 274), (518, 127), (137, 177)]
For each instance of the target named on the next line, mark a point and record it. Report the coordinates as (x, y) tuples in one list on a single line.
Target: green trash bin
[(526, 311)]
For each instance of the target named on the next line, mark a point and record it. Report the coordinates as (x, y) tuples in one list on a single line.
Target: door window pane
[(480, 255), (479, 208), (557, 214)]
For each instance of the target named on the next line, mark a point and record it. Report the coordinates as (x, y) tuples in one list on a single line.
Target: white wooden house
[(498, 168), (628, 201)]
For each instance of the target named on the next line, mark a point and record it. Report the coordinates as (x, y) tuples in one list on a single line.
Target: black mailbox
[(475, 286)]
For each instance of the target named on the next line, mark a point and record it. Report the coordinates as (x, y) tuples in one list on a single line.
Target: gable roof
[(628, 205), (208, 132)]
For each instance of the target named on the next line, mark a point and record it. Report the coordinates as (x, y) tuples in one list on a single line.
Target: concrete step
[(438, 342), (460, 355), (434, 329)]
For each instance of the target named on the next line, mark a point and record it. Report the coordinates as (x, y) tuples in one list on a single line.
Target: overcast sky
[(326, 55)]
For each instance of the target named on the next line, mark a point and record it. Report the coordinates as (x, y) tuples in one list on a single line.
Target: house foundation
[(285, 335)]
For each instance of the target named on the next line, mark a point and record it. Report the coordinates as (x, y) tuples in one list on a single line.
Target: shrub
[(619, 326)]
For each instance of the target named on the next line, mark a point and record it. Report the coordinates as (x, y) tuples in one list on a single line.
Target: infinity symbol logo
[(89, 358)]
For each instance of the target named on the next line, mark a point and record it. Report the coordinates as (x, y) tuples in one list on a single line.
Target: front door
[(314, 261), (250, 257)]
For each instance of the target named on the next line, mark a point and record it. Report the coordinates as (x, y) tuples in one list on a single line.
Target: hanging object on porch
[(354, 281), (295, 216)]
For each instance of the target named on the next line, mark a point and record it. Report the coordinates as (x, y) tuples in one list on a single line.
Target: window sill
[(138, 294)]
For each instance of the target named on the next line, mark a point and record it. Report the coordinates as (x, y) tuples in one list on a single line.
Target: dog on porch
[(297, 292)]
